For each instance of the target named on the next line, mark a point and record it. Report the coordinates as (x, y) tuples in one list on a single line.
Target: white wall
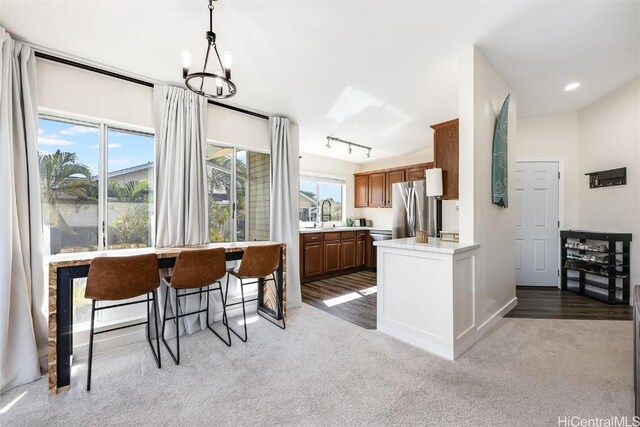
[(314, 165), (554, 137), (482, 92), (68, 89), (422, 156), (609, 133)]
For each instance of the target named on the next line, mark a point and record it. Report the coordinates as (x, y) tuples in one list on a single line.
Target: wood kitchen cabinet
[(331, 256), (374, 189), (377, 189), (361, 250), (416, 173), (311, 255), (348, 254), (361, 194), (446, 154), (332, 253), (393, 177), (313, 259)]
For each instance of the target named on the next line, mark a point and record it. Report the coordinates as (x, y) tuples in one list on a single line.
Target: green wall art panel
[(499, 163)]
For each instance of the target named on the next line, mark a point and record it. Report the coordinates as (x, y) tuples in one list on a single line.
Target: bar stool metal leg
[(224, 316), (156, 353), (93, 316), (176, 359), (244, 313)]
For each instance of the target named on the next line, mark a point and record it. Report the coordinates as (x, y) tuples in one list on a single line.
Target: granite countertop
[(434, 245), (343, 228)]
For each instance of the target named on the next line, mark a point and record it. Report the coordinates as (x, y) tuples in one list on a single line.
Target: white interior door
[(537, 223)]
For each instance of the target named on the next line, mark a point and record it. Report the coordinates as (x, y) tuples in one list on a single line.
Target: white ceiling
[(374, 72)]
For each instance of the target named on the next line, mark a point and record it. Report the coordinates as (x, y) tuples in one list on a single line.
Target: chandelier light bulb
[(228, 60), (186, 59), (349, 148)]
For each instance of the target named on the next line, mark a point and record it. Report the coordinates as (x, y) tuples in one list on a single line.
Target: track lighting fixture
[(350, 144)]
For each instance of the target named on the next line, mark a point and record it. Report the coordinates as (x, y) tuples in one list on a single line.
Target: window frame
[(104, 126)]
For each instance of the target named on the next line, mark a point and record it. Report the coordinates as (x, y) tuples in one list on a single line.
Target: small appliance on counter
[(360, 222)]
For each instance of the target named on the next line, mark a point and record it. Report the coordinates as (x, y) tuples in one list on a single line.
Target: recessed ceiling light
[(572, 86)]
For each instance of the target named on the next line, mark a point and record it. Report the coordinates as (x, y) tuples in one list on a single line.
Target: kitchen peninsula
[(427, 295)]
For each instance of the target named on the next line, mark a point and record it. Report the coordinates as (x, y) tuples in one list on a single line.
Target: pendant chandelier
[(212, 85)]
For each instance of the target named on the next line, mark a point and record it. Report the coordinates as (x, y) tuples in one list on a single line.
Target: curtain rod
[(65, 61)]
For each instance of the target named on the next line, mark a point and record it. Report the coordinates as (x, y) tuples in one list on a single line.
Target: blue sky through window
[(125, 150), (327, 190)]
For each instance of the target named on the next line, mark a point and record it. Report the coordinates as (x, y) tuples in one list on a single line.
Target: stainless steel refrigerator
[(411, 209)]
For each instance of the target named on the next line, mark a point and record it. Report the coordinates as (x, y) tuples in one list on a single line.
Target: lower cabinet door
[(331, 256), (312, 259), (348, 250), (361, 253)]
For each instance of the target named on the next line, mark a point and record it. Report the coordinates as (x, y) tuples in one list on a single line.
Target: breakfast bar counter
[(64, 268)]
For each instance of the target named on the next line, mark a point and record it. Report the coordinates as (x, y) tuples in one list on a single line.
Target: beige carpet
[(325, 371)]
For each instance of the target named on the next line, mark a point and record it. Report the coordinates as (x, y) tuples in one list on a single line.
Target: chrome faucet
[(325, 216)]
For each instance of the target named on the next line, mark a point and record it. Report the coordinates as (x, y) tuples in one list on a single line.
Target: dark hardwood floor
[(533, 303), (361, 310), (552, 303)]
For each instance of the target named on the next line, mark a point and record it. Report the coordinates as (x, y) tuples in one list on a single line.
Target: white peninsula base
[(427, 295)]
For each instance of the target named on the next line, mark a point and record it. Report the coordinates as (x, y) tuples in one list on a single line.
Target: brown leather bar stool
[(195, 269), (120, 278), (259, 263)]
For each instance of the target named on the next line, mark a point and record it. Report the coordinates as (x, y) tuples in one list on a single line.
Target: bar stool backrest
[(259, 261), (198, 268), (117, 278)]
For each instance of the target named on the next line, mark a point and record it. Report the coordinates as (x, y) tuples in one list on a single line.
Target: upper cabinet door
[(393, 177), (415, 173), (445, 141), (377, 189), (361, 191)]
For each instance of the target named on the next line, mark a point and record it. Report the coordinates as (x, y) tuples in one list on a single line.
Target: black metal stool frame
[(175, 358), (151, 296), (243, 301)]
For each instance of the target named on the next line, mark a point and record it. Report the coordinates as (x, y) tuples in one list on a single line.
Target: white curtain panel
[(181, 184), (181, 190), (23, 310), (284, 200)]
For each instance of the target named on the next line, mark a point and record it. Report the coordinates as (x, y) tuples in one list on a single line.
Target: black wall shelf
[(608, 178), (607, 281)]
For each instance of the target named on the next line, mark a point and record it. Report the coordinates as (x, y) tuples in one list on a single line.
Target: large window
[(321, 199), (68, 157), (129, 189), (96, 184), (238, 212)]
